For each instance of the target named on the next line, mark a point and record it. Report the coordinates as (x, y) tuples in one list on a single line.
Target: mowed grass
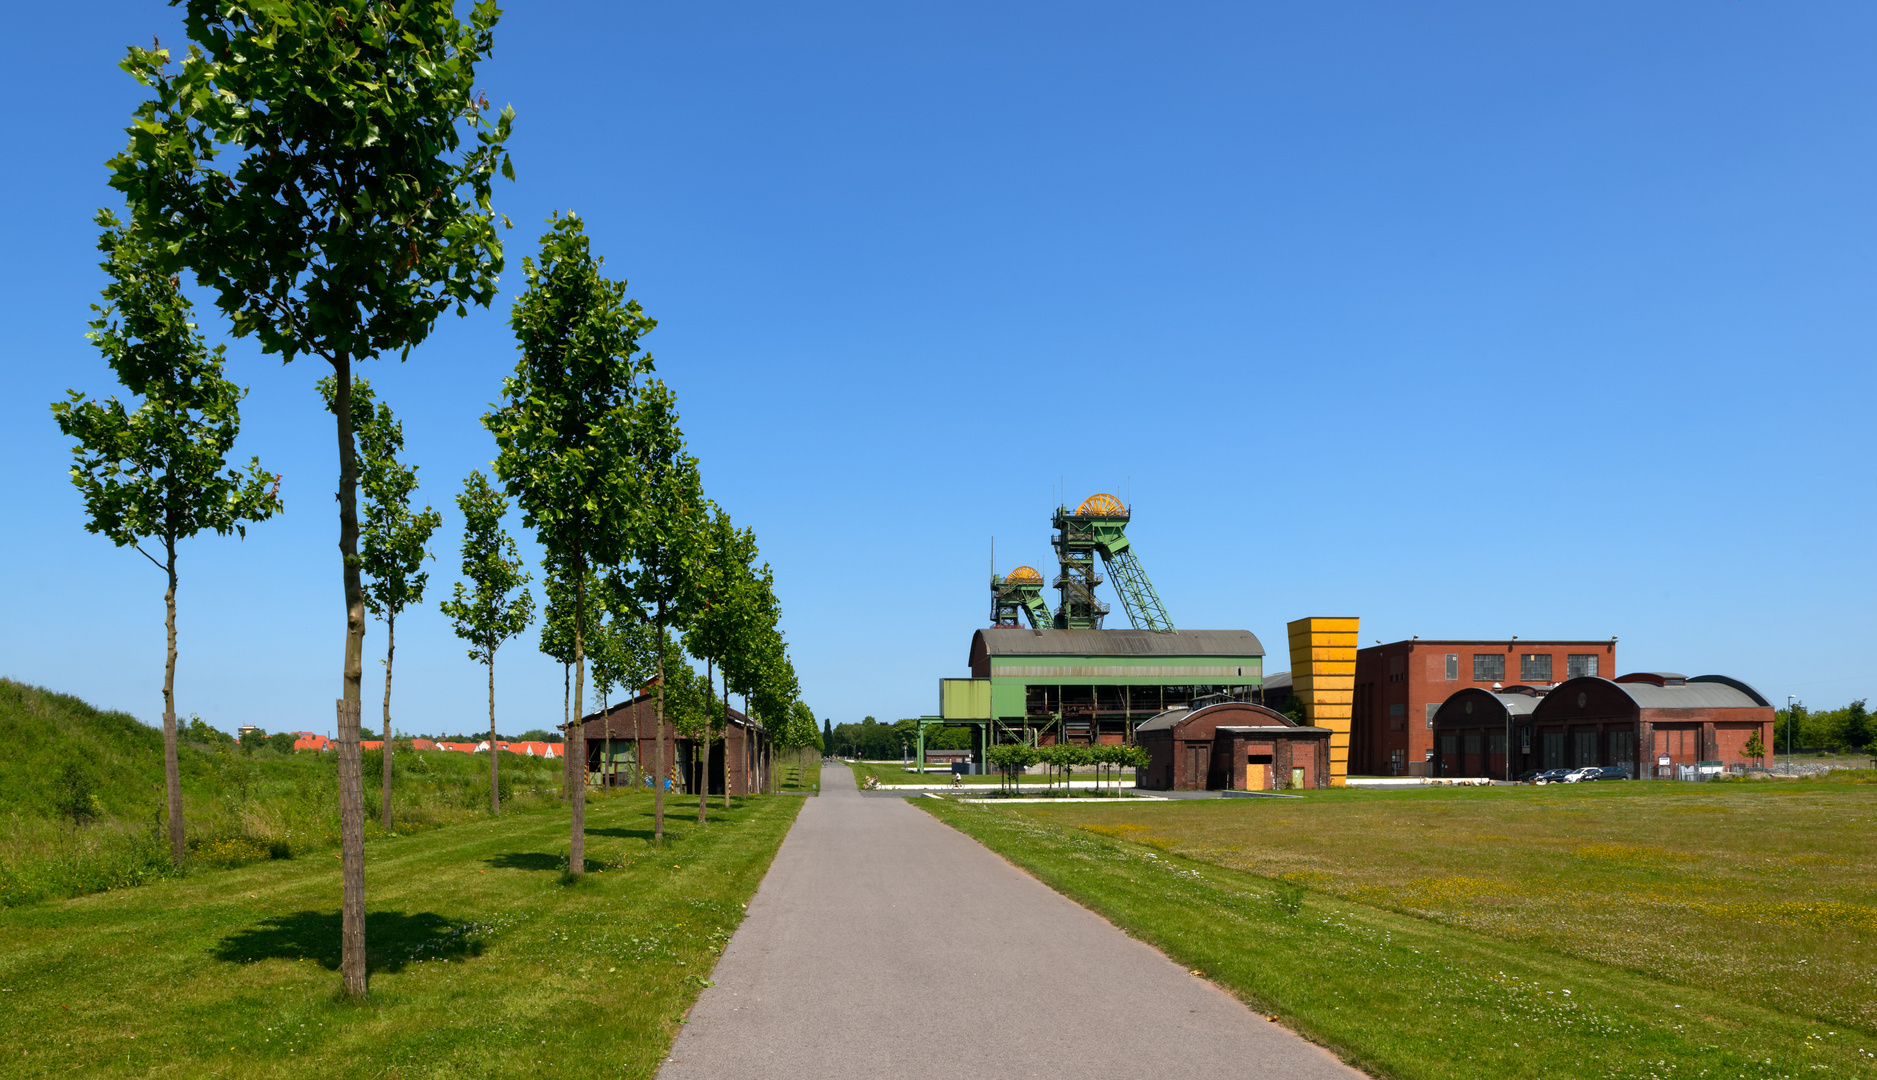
[(483, 962), (1631, 930)]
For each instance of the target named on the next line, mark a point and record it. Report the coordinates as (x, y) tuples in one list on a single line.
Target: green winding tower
[(1021, 592), (1099, 527)]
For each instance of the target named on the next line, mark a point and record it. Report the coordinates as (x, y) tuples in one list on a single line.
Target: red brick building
[(1650, 724), (621, 750), (1399, 687), (1232, 746)]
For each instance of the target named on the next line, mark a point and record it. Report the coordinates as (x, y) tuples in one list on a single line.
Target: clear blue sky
[(1472, 320)]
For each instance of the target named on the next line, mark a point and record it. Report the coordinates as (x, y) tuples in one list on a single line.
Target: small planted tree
[(394, 541), (661, 581), (1755, 747), (351, 219), (488, 613), (569, 438), (158, 471)]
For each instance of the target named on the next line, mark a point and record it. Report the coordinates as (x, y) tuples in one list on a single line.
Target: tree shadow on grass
[(392, 939), (527, 860), (625, 834)]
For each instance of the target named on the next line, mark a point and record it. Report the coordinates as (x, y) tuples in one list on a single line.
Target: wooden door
[(1255, 777)]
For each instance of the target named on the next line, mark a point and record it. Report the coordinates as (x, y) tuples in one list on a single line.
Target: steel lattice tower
[(1099, 527)]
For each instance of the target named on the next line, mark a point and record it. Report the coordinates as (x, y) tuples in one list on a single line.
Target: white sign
[(1663, 760)]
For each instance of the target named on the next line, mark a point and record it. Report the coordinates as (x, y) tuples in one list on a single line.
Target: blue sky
[(1472, 320)]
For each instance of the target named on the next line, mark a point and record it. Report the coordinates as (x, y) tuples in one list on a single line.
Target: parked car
[(1579, 775), (1552, 776), (1606, 772)]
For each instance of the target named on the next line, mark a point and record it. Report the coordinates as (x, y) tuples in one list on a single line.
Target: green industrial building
[(1066, 679)]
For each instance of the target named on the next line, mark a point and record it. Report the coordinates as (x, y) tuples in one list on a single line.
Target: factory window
[(1397, 761), (1535, 668), (1489, 667), (1432, 708), (1397, 709), (1579, 665), (1496, 742), (1453, 666)]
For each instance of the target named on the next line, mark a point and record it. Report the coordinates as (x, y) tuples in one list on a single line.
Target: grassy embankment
[(1631, 930), (238, 807), (483, 962)]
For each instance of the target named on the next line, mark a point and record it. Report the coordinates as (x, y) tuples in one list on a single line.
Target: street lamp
[(1789, 699)]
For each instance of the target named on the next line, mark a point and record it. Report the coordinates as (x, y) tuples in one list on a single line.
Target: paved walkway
[(885, 945)]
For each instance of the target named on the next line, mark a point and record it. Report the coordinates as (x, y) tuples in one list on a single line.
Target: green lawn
[(483, 962), (1635, 929)]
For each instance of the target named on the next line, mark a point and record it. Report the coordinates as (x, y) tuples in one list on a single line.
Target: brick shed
[(620, 748), (1648, 723), (1234, 745)]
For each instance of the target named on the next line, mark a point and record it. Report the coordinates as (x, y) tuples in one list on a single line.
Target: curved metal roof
[(1273, 718), (1700, 692), (1008, 641)]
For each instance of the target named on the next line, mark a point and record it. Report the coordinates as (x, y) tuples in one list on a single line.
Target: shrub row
[(1011, 759)]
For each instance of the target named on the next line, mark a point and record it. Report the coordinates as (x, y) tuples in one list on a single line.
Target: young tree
[(567, 437), (661, 580), (157, 470), (728, 610), (490, 613), (352, 218), (395, 541), (1755, 747), (774, 689)]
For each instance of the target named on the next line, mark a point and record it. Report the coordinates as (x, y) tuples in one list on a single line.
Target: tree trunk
[(391, 645), (172, 774), (566, 696), (495, 766), (703, 782), (658, 738), (726, 740), (351, 794), (576, 732)]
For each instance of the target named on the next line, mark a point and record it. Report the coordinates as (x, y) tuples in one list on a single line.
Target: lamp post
[(1789, 699)]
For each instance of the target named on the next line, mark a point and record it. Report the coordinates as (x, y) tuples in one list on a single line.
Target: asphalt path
[(883, 944)]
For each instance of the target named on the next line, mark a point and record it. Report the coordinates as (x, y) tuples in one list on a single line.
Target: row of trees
[(1012, 759), (874, 740), (325, 171), (1848, 728)]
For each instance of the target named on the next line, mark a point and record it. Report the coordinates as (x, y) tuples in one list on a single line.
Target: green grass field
[(1632, 930), (483, 962)]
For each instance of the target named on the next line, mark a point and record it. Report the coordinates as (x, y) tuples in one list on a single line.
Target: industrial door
[(1198, 766), (1257, 772)]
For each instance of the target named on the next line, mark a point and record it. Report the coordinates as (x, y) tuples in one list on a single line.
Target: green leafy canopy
[(486, 614), (352, 217), (157, 470)]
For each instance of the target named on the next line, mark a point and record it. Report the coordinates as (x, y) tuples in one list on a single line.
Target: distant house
[(306, 740)]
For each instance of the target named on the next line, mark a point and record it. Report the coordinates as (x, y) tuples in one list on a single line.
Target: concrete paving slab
[(883, 944)]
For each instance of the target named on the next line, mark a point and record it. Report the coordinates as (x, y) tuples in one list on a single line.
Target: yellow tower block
[(1323, 676)]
